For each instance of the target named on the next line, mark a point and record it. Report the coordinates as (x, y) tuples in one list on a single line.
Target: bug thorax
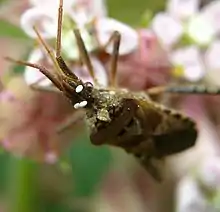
[(107, 104)]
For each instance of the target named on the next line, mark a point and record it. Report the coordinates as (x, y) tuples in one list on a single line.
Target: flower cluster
[(28, 127), (140, 54), (200, 190), (191, 37), (189, 43)]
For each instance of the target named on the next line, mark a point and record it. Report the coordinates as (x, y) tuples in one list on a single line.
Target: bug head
[(81, 94)]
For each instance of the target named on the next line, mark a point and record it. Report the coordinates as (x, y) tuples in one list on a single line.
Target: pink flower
[(198, 192), (118, 193), (186, 23), (87, 16), (146, 67), (29, 121)]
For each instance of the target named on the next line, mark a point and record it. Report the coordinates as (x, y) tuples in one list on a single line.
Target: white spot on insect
[(77, 106), (80, 105), (112, 92), (79, 88), (83, 103)]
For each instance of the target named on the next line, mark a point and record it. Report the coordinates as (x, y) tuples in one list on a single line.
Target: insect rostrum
[(119, 117)]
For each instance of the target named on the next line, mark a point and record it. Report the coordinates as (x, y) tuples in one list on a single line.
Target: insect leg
[(110, 40), (152, 169), (155, 93), (69, 121), (190, 89), (84, 54), (115, 38), (114, 59), (156, 90), (193, 89), (95, 34)]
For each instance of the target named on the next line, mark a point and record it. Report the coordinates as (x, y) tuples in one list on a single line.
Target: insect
[(119, 117)]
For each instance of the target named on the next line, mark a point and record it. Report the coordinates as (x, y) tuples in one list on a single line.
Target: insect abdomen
[(175, 142), (178, 134)]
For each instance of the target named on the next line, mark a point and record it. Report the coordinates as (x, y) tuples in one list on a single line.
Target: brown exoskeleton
[(119, 117)]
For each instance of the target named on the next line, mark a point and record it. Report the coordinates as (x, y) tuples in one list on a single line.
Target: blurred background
[(163, 42)]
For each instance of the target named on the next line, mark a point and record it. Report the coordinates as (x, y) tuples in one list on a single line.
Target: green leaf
[(10, 30), (89, 164), (4, 161), (146, 18), (22, 185), (130, 11), (18, 69), (54, 207), (184, 41), (2, 1)]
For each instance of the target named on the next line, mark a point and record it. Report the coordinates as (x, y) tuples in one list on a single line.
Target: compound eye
[(88, 85)]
